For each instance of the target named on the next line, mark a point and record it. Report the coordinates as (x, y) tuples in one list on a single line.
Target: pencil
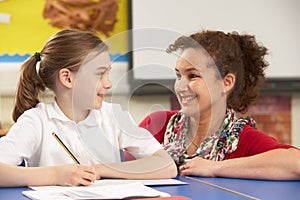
[(65, 148)]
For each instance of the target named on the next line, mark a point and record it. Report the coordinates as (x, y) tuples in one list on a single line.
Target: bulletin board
[(27, 29)]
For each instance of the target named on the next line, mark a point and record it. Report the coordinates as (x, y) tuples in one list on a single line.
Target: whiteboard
[(157, 23)]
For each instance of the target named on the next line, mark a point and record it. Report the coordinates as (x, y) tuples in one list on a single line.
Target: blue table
[(257, 189), (12, 193), (196, 190), (193, 190), (209, 188)]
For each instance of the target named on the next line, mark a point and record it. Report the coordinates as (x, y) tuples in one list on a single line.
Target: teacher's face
[(195, 82)]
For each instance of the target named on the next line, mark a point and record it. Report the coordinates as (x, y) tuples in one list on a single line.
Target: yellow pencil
[(65, 148)]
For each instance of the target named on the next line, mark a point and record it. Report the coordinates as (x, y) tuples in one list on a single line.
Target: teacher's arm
[(277, 164)]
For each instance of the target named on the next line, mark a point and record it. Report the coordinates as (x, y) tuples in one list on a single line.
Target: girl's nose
[(106, 82)]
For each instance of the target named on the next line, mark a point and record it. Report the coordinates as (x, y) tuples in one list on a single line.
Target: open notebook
[(103, 189), (119, 191)]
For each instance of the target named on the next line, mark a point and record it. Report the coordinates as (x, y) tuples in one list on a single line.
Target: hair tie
[(37, 56)]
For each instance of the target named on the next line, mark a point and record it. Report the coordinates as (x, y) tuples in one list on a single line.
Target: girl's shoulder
[(42, 112), (36, 111)]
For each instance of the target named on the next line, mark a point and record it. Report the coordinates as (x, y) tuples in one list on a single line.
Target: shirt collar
[(55, 112), (92, 119)]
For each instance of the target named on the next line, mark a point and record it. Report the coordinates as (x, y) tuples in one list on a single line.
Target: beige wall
[(142, 105), (6, 105), (296, 120)]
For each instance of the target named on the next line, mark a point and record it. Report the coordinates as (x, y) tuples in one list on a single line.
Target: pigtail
[(28, 88), (254, 65)]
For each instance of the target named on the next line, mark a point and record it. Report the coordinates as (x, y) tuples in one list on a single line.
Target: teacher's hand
[(198, 167)]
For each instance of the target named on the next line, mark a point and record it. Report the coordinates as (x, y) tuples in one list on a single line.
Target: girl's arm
[(158, 166), (277, 164), (71, 175)]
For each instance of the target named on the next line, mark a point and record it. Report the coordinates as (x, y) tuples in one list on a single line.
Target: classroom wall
[(295, 120), (142, 105)]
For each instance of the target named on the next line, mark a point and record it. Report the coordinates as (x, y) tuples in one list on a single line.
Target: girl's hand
[(74, 175), (198, 167)]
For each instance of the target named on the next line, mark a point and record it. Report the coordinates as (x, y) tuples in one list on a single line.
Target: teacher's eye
[(178, 76), (192, 76)]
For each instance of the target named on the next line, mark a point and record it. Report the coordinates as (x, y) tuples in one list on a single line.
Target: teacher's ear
[(66, 77), (228, 81)]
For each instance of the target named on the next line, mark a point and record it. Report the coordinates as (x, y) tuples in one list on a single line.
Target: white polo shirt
[(97, 139)]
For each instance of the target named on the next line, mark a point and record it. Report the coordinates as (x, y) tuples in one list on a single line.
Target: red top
[(251, 141)]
